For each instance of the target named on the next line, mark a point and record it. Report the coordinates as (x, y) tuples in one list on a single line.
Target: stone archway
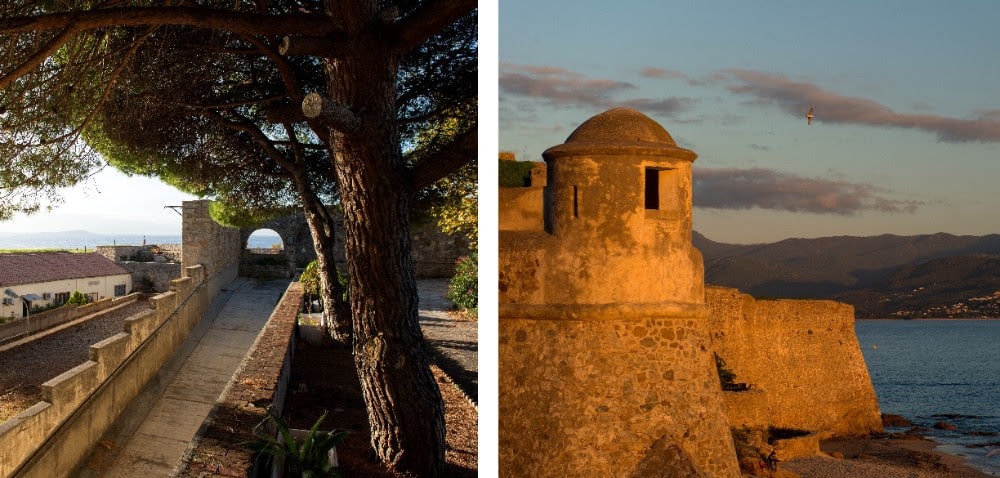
[(295, 237), (434, 252)]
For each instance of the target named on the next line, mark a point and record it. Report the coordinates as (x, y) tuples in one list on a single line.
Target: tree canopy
[(262, 104)]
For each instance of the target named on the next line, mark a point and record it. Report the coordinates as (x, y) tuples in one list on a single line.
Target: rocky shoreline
[(905, 452), (882, 457)]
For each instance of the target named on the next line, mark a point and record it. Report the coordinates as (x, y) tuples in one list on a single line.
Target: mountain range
[(882, 276)]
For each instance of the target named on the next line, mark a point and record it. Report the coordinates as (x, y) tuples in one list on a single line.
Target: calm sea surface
[(934, 370), (90, 241)]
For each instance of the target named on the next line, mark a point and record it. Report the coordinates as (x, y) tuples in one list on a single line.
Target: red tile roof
[(31, 268)]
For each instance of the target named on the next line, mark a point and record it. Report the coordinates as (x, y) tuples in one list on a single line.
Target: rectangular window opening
[(652, 188)]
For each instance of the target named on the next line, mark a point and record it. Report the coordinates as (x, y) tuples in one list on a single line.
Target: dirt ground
[(325, 379)]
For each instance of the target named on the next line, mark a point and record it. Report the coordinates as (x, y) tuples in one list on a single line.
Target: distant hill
[(872, 273)]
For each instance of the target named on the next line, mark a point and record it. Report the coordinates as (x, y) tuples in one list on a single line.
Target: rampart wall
[(213, 246), (801, 359), (54, 317), (155, 253), (51, 437)]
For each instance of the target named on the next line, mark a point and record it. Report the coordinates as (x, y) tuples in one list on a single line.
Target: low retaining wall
[(53, 436), (51, 318), (260, 383)]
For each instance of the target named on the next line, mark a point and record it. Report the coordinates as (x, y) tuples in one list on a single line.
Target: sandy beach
[(880, 457)]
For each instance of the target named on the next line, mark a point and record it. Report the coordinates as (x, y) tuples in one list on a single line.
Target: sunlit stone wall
[(605, 366), (801, 359)]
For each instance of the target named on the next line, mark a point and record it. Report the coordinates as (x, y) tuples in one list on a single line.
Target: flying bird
[(809, 116)]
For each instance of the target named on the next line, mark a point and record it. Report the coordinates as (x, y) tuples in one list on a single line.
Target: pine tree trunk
[(404, 404), (336, 310)]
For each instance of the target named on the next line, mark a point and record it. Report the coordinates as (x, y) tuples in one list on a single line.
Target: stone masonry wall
[(51, 437), (208, 243), (610, 398), (802, 360), (160, 274)]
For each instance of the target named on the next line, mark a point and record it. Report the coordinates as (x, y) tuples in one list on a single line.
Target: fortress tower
[(605, 365)]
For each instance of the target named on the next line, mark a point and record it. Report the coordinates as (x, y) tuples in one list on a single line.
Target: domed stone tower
[(619, 196), (605, 368)]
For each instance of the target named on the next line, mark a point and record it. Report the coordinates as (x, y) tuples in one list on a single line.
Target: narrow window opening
[(652, 188), (576, 202)]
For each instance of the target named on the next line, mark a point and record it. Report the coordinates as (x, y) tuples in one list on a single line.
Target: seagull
[(809, 116)]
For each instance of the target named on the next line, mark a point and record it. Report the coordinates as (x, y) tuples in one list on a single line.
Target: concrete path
[(455, 342), (152, 435)]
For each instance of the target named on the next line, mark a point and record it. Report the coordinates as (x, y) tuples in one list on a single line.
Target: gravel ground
[(23, 369), (455, 342)]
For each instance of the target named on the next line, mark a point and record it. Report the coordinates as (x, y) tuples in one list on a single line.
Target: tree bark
[(404, 404), (336, 310)]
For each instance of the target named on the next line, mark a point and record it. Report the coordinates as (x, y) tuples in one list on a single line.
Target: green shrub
[(515, 174), (306, 456), (310, 280), (146, 284), (78, 298), (463, 289)]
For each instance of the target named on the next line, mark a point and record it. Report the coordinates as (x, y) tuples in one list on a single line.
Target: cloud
[(731, 188), (562, 87), (796, 97), (653, 72)]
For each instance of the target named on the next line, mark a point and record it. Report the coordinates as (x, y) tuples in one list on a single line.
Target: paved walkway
[(455, 342), (152, 435)]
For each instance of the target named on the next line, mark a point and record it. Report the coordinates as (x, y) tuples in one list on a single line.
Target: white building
[(30, 280)]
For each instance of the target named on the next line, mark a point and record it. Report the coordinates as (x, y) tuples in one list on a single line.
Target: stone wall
[(156, 253), (159, 273), (434, 253), (605, 368), (61, 315), (215, 247), (611, 396), (51, 437), (801, 359)]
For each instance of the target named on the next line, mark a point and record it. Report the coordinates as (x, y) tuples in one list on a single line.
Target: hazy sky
[(109, 203), (906, 98)]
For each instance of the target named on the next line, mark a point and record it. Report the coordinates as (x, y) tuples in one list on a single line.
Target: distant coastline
[(74, 240)]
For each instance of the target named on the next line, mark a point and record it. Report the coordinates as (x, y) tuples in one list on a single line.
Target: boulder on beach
[(943, 425), (890, 420)]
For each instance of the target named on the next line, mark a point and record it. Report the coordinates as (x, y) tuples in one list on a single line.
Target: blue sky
[(906, 98)]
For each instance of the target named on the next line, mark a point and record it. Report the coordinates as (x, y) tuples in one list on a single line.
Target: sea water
[(940, 370), (91, 240)]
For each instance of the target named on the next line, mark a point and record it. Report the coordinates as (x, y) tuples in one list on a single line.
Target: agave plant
[(311, 456)]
